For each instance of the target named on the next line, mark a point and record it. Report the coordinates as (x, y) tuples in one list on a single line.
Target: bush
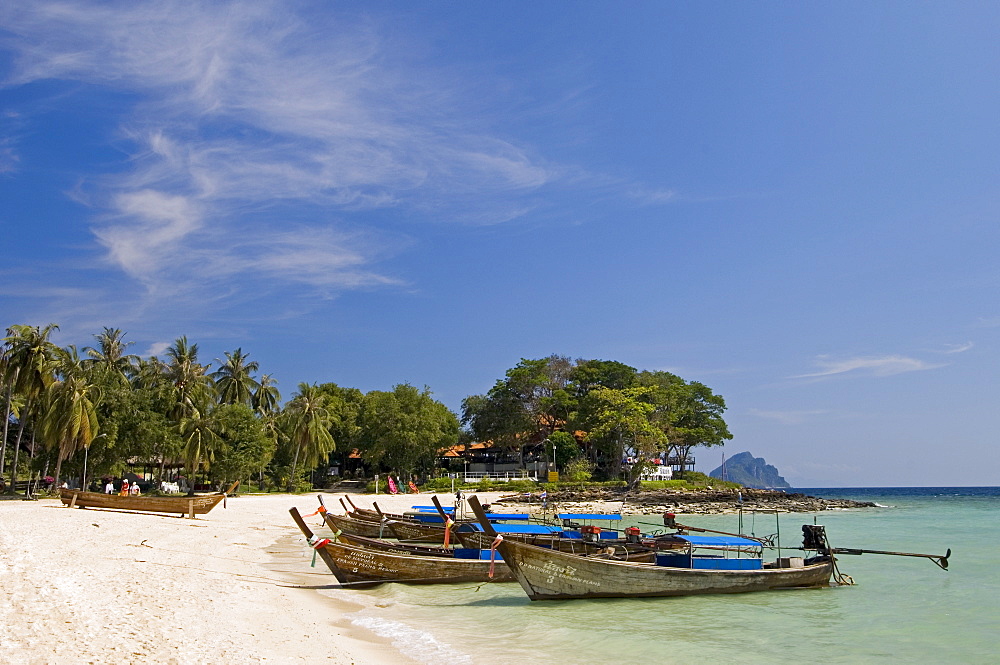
[(442, 484), (696, 479), (579, 470), (568, 485), (662, 484), (490, 485)]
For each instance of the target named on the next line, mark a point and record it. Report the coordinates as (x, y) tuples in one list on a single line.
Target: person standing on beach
[(124, 491), (110, 487)]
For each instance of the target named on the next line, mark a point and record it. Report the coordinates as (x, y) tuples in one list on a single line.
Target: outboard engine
[(632, 534), (668, 520), (814, 538), (590, 533)]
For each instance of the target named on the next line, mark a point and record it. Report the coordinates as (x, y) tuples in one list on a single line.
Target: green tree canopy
[(403, 430), (620, 421), (688, 413), (246, 446)]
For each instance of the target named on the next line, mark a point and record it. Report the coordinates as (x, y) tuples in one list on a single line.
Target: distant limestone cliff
[(750, 471)]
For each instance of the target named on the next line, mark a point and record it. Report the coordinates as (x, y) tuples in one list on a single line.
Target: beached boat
[(367, 514), (418, 532), (734, 565), (394, 546), (363, 567), (185, 505), (366, 528)]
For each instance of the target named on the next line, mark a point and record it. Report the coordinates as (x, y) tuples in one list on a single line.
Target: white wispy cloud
[(787, 417), (157, 349), (957, 348), (242, 111), (869, 365)]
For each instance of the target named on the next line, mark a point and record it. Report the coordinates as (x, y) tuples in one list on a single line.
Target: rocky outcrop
[(705, 501), (750, 471)]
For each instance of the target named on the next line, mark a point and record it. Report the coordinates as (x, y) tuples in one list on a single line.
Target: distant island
[(750, 471)]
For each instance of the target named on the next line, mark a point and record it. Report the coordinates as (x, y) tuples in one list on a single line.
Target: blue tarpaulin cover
[(507, 516), (719, 541), (513, 528), (604, 535), (587, 516)]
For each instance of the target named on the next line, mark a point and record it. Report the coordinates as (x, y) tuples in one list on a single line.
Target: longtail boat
[(416, 532), (185, 505), (547, 574), (702, 564), (363, 567), (366, 514), (358, 527), (393, 545)]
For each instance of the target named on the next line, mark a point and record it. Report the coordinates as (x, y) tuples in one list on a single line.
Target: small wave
[(416, 644), (879, 505)]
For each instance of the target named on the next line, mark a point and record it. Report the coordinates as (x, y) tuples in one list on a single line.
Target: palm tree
[(110, 354), (266, 397), (192, 387), (309, 428), (69, 416), (30, 358), (149, 374), (201, 440), (233, 380)]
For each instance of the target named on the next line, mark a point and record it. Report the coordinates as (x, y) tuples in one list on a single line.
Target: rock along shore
[(699, 502)]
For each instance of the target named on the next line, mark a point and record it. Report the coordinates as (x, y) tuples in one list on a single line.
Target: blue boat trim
[(718, 541), (588, 516), (513, 528)]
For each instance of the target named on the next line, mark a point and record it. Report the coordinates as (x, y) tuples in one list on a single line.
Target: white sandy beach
[(100, 586)]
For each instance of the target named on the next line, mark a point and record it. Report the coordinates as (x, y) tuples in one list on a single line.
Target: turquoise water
[(902, 610)]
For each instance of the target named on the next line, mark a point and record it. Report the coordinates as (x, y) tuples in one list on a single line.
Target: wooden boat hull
[(546, 574), (357, 527), (359, 566), (420, 533), (394, 546), (624, 550), (184, 505)]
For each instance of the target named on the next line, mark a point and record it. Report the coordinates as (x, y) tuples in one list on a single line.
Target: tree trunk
[(17, 449), (6, 420), (194, 475), (295, 464), (6, 424), (33, 478)]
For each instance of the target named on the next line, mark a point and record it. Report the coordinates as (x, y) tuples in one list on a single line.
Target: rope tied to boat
[(316, 543), (493, 553), (319, 511)]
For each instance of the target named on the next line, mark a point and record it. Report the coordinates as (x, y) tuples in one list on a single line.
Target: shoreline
[(233, 586)]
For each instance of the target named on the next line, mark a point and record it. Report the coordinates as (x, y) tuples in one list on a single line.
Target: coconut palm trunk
[(17, 446), (6, 420)]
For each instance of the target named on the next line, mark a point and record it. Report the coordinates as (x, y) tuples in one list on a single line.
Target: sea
[(900, 609)]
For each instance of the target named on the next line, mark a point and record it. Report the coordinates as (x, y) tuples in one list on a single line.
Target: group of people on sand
[(126, 490)]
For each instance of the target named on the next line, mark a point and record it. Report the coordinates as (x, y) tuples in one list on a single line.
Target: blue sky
[(794, 203)]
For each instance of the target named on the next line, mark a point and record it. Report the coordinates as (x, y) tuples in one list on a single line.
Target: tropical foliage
[(83, 416), (610, 411)]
